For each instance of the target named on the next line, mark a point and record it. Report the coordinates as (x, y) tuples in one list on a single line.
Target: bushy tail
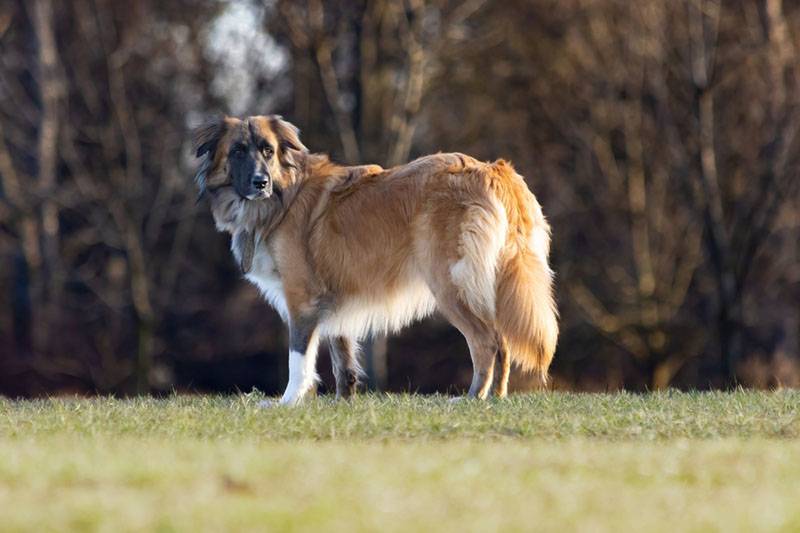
[(526, 313)]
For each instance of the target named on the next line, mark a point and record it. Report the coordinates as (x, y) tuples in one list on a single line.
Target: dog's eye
[(267, 151), (237, 151)]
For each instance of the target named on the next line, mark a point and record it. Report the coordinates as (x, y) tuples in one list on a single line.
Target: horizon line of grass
[(543, 415)]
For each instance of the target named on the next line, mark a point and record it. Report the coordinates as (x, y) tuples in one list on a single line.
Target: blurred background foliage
[(660, 136)]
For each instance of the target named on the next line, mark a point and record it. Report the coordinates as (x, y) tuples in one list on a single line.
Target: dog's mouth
[(260, 194), (252, 196)]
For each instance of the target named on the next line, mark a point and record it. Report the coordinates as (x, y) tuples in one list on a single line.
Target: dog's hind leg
[(481, 339), (502, 369), (346, 370)]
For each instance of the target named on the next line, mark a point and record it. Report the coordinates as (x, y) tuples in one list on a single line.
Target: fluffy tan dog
[(342, 252)]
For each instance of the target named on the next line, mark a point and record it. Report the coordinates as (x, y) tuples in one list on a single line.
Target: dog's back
[(443, 231)]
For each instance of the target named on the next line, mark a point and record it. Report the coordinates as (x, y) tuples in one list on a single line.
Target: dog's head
[(255, 156)]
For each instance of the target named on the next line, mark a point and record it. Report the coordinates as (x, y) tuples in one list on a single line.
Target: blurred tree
[(92, 188), (760, 98), (661, 138)]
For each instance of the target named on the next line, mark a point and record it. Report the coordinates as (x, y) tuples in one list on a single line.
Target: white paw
[(290, 401), (267, 404)]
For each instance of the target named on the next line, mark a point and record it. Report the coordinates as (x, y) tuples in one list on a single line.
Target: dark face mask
[(248, 169)]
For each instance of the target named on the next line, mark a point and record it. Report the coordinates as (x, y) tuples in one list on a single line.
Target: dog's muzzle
[(260, 182)]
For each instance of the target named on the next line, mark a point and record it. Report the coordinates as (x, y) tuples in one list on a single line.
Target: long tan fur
[(342, 252), (526, 310)]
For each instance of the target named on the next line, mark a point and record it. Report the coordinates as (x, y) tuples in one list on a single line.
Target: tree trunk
[(730, 335), (144, 356), (51, 275)]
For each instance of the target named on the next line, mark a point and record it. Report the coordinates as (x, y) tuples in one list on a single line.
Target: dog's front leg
[(303, 344)]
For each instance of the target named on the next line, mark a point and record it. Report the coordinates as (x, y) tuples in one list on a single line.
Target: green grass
[(548, 461)]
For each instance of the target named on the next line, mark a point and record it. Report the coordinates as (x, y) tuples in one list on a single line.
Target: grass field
[(547, 461)]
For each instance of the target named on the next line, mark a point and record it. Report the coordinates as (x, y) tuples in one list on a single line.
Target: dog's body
[(341, 252)]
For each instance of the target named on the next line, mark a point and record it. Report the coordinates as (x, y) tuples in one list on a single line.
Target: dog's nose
[(260, 182)]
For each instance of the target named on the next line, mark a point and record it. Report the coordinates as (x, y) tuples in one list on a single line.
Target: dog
[(343, 252)]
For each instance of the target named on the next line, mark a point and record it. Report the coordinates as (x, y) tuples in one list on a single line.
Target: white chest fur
[(264, 276)]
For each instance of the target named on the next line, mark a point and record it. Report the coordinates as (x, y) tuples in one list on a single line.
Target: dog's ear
[(288, 135), (205, 139), (244, 247)]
